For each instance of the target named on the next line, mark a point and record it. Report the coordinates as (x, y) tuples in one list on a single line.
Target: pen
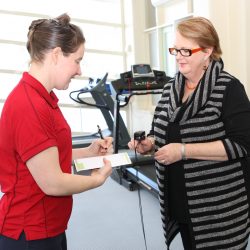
[(100, 132)]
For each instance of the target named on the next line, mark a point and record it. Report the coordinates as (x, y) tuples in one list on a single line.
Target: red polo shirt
[(31, 122)]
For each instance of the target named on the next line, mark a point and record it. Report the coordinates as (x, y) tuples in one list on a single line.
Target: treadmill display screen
[(139, 70)]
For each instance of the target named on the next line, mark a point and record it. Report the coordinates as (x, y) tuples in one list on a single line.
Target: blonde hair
[(202, 31)]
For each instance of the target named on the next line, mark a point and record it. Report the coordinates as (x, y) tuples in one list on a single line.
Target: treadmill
[(109, 99), (141, 80)]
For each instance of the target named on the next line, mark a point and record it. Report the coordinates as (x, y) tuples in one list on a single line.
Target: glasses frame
[(190, 51)]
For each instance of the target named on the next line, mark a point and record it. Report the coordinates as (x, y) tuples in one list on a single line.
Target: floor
[(108, 218)]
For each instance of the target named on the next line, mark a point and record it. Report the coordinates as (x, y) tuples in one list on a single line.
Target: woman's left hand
[(169, 153), (101, 146)]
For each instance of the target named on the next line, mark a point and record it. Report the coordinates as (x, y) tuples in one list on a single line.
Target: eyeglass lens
[(183, 52)]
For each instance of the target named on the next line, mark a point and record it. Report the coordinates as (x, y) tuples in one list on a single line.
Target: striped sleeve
[(234, 150), (237, 121)]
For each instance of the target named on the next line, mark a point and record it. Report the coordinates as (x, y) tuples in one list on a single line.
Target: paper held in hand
[(116, 160)]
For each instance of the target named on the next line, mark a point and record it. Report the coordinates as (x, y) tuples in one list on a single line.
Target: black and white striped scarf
[(177, 112)]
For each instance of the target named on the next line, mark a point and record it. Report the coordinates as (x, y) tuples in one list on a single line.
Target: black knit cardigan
[(216, 191)]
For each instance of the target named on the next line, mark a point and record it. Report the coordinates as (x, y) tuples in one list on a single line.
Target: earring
[(205, 66)]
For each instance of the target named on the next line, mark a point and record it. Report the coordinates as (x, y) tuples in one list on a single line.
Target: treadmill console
[(141, 77)]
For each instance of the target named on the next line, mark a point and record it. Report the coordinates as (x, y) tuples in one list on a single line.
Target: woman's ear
[(56, 53), (208, 52)]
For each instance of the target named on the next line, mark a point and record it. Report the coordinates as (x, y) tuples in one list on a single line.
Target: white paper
[(97, 161)]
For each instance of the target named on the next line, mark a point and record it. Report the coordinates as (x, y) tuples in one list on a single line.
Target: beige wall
[(232, 23)]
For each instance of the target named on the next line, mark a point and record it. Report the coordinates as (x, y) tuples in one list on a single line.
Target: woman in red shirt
[(36, 146)]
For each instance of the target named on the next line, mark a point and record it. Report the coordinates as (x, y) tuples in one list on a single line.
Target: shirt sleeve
[(34, 131), (236, 117)]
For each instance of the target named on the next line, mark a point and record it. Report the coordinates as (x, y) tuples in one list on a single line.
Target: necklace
[(189, 87)]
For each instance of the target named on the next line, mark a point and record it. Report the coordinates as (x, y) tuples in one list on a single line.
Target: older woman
[(201, 134)]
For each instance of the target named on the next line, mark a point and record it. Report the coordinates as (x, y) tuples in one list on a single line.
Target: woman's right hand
[(142, 147), (101, 174)]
